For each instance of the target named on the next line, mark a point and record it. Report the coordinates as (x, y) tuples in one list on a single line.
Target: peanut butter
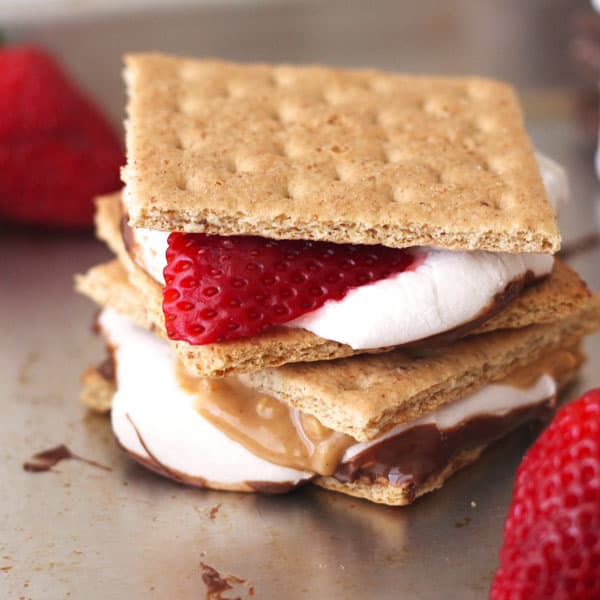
[(265, 426), (286, 436)]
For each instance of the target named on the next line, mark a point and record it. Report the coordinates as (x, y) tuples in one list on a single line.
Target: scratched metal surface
[(80, 532)]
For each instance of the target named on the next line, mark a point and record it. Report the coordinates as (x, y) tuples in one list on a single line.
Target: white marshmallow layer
[(149, 403), (150, 397), (446, 290)]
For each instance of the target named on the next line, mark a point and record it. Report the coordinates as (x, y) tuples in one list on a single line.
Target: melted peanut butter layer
[(265, 426), (285, 436)]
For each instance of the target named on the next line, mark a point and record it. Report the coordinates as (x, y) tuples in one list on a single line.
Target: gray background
[(79, 532)]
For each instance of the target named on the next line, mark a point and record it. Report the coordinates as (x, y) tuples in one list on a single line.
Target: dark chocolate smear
[(216, 584), (44, 461), (421, 452), (107, 367)]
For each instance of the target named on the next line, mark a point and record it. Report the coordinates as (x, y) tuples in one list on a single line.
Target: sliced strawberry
[(225, 288)]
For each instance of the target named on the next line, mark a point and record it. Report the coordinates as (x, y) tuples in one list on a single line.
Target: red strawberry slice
[(225, 288), (552, 533)]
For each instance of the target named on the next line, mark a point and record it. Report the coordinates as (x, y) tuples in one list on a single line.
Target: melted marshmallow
[(445, 291), (180, 438), (149, 396)]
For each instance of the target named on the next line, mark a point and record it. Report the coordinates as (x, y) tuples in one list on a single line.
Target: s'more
[(328, 276)]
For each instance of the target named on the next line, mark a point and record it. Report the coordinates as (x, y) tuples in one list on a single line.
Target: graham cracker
[(363, 396), (108, 285), (555, 298), (96, 391), (343, 155)]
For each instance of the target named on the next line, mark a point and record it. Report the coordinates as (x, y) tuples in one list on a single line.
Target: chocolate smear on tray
[(216, 584), (47, 459), (213, 512)]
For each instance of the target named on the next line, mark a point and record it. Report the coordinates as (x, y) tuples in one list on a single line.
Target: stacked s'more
[(343, 277)]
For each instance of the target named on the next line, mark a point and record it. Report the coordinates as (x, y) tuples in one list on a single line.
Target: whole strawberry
[(551, 545), (57, 151)]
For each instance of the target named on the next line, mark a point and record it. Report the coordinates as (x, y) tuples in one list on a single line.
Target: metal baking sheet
[(83, 532)]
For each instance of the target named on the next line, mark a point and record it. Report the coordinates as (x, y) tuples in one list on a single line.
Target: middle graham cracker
[(355, 156), (552, 299)]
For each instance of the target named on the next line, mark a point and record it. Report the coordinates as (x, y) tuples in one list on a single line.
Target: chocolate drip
[(44, 461), (416, 454), (216, 584), (127, 235), (107, 367)]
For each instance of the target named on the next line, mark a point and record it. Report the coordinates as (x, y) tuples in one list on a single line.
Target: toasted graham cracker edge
[(546, 302), (96, 391), (241, 149), (108, 285), (382, 492), (343, 232), (366, 395)]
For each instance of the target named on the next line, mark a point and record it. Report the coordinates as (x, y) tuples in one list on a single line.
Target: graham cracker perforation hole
[(230, 165), (491, 203), (275, 116), (178, 143), (344, 173), (484, 125), (506, 201), (181, 183), (400, 195), (493, 165), (276, 79), (284, 150)]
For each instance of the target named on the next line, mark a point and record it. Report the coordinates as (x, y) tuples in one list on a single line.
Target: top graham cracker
[(349, 156)]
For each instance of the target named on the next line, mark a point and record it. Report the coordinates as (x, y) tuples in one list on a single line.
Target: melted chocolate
[(107, 367), (272, 487), (44, 461), (155, 465), (213, 511), (127, 235), (421, 452), (216, 584)]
